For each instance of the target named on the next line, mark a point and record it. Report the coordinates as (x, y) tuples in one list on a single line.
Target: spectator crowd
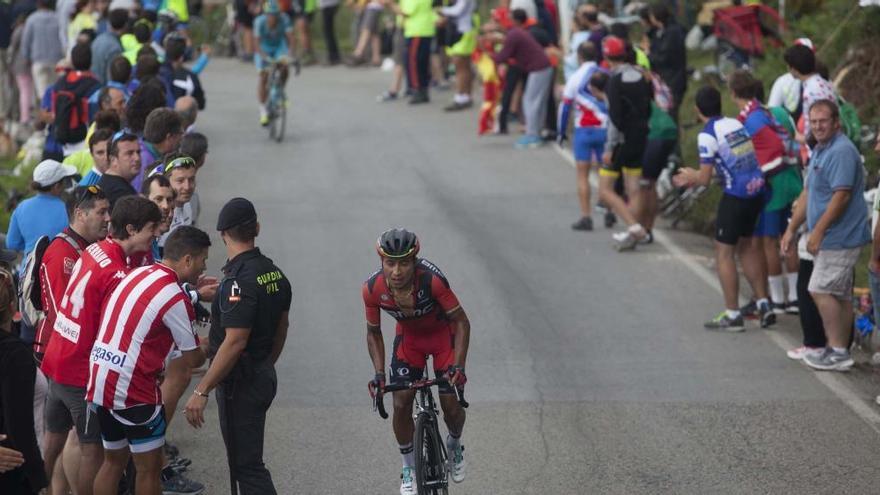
[(109, 93)]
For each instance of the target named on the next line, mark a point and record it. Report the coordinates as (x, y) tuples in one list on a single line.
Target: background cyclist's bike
[(432, 460), (277, 103)]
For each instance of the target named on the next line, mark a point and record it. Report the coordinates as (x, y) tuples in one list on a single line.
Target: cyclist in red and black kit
[(430, 321)]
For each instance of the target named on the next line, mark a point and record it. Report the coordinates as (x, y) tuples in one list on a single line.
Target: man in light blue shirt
[(837, 224), (43, 214)]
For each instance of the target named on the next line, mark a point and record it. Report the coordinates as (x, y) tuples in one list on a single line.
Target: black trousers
[(417, 61), (328, 14), (811, 321), (242, 405), (515, 75)]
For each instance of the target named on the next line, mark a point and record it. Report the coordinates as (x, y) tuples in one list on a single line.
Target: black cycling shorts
[(140, 428), (656, 157), (626, 158), (737, 218)]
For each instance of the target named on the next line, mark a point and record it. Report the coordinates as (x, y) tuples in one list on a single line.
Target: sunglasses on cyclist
[(166, 168), (85, 193)]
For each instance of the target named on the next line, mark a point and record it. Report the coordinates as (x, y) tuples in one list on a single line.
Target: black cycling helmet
[(397, 243)]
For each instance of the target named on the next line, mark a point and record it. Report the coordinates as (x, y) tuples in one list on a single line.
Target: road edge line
[(842, 390)]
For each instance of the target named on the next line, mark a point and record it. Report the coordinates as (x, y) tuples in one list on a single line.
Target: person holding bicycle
[(430, 321), (273, 39)]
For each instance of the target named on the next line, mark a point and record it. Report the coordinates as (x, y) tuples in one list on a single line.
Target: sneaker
[(264, 116), (386, 96), (407, 483), (766, 315), (585, 223), (792, 308), (725, 323), (799, 353), (830, 360), (458, 464), (455, 106), (750, 310), (610, 219), (648, 239), (625, 241), (181, 462), (528, 142), (419, 97), (778, 308), (181, 485)]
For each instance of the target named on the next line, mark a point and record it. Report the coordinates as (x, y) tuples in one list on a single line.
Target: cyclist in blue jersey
[(273, 39), (726, 147)]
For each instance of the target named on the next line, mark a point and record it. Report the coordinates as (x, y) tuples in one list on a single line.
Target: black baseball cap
[(235, 212)]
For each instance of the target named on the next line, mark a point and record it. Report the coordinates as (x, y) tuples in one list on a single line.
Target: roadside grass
[(10, 183)]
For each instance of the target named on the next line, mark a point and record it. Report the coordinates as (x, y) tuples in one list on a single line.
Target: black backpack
[(70, 104)]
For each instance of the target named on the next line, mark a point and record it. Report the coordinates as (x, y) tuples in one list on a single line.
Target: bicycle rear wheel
[(431, 473)]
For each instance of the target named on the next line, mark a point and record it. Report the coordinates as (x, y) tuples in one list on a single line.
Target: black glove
[(376, 385), (456, 372)]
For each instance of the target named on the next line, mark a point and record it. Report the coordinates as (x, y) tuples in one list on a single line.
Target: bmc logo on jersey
[(115, 359), (417, 313)]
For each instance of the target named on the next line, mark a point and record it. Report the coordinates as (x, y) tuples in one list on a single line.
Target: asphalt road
[(589, 370)]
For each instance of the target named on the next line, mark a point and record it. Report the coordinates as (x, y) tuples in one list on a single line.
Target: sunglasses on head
[(84, 193), (122, 133), (179, 162)]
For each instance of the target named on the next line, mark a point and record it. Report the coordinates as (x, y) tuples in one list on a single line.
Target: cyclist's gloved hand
[(456, 375), (376, 384)]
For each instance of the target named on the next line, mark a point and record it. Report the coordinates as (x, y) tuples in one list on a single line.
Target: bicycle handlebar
[(379, 404)]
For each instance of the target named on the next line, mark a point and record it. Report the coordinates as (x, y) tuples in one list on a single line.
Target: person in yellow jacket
[(419, 28)]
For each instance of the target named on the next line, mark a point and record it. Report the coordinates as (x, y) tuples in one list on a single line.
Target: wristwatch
[(196, 391)]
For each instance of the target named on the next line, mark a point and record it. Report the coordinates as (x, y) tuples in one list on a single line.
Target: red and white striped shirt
[(142, 320)]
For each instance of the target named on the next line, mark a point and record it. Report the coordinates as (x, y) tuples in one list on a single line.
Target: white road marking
[(856, 401)]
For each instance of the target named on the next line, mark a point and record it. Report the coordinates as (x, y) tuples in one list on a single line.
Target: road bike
[(277, 103), (432, 461)]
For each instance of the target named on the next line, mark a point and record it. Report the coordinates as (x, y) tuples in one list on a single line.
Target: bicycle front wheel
[(281, 118), (431, 473)]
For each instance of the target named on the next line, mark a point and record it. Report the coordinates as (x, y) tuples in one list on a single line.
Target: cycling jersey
[(433, 300), (273, 41), (766, 137), (589, 111), (423, 329), (98, 271), (55, 270), (725, 144), (144, 318)]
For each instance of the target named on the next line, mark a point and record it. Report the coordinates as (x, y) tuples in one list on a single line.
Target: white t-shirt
[(786, 93)]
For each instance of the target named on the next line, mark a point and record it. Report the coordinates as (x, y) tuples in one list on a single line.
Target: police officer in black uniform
[(249, 321)]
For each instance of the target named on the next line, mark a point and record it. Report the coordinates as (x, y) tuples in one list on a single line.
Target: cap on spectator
[(49, 172), (612, 46), (235, 212), (807, 42)]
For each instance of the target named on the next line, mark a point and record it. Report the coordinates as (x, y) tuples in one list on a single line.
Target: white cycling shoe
[(407, 481), (458, 464)]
